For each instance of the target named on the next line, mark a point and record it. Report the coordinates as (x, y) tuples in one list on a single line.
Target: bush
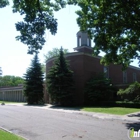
[(129, 104), (132, 93), (99, 89)]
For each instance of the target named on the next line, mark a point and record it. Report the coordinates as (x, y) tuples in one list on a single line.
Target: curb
[(4, 129)]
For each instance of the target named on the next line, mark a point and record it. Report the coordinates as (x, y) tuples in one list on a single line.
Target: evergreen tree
[(34, 82), (60, 82), (98, 89)]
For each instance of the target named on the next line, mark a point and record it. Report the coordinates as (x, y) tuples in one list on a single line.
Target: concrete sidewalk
[(134, 117)]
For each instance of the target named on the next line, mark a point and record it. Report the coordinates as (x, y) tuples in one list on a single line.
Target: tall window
[(134, 77), (106, 71), (88, 42), (79, 40), (124, 77)]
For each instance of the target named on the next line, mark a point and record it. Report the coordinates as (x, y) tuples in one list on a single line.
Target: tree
[(131, 93), (33, 89), (9, 80), (54, 53), (98, 89), (60, 82), (38, 17), (3, 3), (0, 71), (115, 27), (50, 54)]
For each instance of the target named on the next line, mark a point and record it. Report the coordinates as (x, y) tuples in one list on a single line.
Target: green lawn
[(8, 102), (9, 136), (111, 110)]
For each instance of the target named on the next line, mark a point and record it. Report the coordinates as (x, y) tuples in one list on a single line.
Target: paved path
[(51, 123)]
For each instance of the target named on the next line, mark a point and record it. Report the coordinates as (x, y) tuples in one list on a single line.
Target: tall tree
[(60, 83), (34, 83), (114, 26)]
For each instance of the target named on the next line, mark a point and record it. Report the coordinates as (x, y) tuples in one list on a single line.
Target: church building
[(85, 66)]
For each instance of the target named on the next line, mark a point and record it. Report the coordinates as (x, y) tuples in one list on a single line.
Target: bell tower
[(83, 42)]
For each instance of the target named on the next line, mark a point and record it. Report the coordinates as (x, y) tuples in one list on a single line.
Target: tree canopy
[(37, 17), (53, 53), (114, 25), (9, 80), (4, 3), (0, 71)]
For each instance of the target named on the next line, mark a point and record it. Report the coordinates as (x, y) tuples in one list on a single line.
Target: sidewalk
[(134, 117)]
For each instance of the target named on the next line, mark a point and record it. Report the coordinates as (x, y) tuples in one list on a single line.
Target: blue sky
[(14, 59)]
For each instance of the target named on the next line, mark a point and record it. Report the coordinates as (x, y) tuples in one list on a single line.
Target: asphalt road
[(43, 124)]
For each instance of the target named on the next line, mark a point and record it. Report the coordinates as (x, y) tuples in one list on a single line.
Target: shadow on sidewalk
[(65, 108), (134, 115), (135, 125), (35, 105)]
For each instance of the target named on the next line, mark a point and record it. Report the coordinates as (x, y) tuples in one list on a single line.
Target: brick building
[(85, 66)]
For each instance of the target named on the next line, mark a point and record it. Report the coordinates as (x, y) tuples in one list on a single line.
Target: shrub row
[(120, 104)]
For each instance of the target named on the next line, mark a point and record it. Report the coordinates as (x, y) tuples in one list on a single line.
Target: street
[(42, 124)]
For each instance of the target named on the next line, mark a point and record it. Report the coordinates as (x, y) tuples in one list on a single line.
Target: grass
[(8, 102), (9, 136), (111, 110)]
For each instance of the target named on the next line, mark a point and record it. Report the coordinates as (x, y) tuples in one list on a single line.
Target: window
[(79, 40), (106, 71), (88, 44), (134, 77), (124, 77)]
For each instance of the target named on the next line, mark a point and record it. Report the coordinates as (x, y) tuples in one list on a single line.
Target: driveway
[(44, 124)]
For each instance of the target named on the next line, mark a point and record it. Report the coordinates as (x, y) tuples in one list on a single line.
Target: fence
[(13, 94)]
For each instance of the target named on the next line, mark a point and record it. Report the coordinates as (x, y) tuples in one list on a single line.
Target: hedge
[(120, 104)]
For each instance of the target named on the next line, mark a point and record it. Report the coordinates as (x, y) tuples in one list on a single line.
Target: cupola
[(83, 42)]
